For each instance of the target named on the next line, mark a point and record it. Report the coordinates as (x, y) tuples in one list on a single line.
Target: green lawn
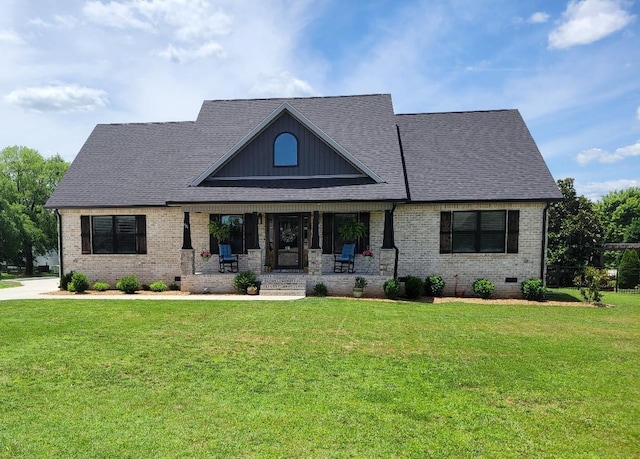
[(318, 378), (9, 284)]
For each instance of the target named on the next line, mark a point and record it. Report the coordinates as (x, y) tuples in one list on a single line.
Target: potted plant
[(221, 231), (358, 288), (267, 266), (367, 254), (351, 230), (205, 255), (457, 293), (252, 290)]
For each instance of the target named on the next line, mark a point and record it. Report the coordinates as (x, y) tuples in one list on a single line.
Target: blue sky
[(572, 68)]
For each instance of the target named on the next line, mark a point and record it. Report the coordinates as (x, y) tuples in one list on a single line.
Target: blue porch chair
[(347, 257), (227, 258)]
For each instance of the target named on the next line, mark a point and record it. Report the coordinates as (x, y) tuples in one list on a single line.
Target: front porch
[(200, 276)]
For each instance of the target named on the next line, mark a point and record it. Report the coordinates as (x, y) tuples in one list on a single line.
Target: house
[(463, 195)]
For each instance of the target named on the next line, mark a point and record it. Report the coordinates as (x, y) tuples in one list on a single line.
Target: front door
[(288, 241)]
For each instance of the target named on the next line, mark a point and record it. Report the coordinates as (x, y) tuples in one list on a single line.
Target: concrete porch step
[(283, 284)]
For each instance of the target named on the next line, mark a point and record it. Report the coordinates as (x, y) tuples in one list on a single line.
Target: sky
[(572, 68)]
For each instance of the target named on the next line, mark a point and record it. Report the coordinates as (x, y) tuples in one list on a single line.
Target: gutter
[(395, 264), (543, 251), (60, 254)]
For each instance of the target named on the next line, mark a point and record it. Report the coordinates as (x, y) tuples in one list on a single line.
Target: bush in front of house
[(391, 289), (434, 285), (590, 283), (533, 289), (79, 283), (128, 284), (65, 280), (244, 280), (174, 287), (320, 289), (413, 287), (158, 286), (483, 288), (101, 286)]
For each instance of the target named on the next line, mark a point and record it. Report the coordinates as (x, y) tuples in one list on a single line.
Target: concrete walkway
[(39, 288)]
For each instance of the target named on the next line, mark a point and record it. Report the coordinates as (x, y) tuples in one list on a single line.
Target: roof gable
[(242, 163)]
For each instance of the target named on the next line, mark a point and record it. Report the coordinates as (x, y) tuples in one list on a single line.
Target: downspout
[(393, 238), (60, 254), (395, 204), (543, 252)]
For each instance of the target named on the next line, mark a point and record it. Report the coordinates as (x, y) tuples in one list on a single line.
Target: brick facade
[(417, 233)]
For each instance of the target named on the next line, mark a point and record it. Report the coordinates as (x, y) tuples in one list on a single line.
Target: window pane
[(285, 150), (464, 221), (126, 234), (237, 233), (102, 234), (492, 242), (338, 221), (464, 242), (492, 221)]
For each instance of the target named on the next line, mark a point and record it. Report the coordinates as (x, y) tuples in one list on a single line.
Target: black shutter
[(85, 232), (363, 243), (445, 232), (213, 242), (251, 231), (513, 230), (327, 233), (141, 234)]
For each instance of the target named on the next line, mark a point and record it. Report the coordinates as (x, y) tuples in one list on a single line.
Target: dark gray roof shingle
[(473, 156)]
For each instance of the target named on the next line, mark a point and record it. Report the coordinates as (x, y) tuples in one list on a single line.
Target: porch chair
[(227, 258), (347, 257)]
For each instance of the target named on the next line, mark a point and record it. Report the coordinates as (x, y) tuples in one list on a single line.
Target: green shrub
[(590, 283), (483, 288), (434, 285), (320, 289), (128, 284), (629, 270), (360, 282), (145, 287), (65, 280), (101, 286), (158, 286), (174, 286), (391, 289), (533, 289), (413, 287), (244, 280), (80, 282)]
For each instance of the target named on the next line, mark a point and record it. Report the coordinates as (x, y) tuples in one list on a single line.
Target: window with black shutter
[(479, 231), (114, 234)]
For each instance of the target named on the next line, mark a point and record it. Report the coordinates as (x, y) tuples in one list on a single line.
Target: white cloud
[(185, 54), (539, 17), (595, 190), (604, 157), (282, 85), (587, 21), (189, 21), (59, 21), (9, 36), (58, 98)]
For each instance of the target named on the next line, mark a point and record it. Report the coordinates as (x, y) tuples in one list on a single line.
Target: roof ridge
[(459, 112), (297, 98), (145, 123)]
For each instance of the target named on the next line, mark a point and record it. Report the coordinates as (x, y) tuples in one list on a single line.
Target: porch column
[(315, 237), (314, 257), (186, 233), (255, 260), (187, 262)]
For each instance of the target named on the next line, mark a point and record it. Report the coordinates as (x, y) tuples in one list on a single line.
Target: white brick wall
[(417, 236)]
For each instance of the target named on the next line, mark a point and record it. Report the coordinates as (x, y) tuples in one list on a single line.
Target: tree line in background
[(578, 228), (27, 229)]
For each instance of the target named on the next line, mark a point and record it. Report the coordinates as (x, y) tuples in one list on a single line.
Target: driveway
[(39, 288)]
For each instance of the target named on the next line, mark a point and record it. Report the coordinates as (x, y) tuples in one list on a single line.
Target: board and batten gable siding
[(314, 156), (417, 236), (164, 243)]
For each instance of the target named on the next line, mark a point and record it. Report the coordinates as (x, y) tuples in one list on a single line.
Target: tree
[(629, 270), (620, 210), (26, 182), (575, 229)]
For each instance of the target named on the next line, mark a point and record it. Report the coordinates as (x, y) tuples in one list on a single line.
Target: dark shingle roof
[(154, 163), (473, 156)]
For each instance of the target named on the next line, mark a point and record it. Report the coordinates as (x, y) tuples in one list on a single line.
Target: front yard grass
[(318, 378)]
